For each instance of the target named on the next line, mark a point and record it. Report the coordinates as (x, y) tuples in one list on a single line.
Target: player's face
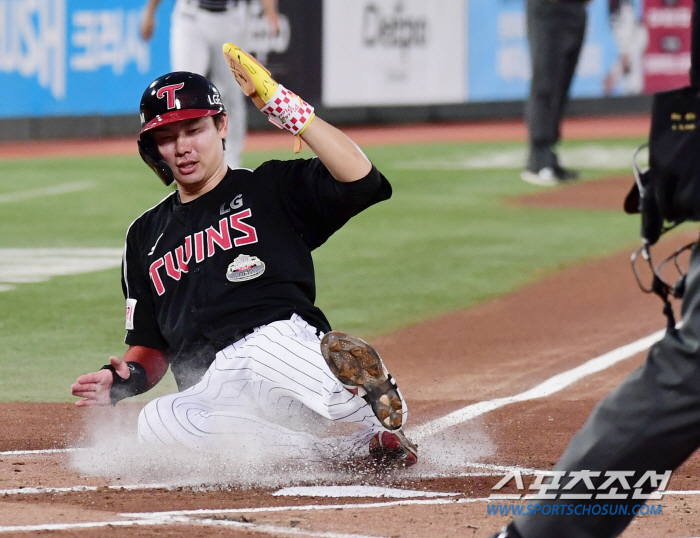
[(193, 149)]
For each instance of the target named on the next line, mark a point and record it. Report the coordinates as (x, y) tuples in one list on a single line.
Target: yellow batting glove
[(284, 108), (253, 78)]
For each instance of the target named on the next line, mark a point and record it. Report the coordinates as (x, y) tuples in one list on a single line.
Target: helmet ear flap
[(151, 156)]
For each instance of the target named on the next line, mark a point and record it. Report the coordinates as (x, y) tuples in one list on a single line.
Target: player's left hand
[(95, 387)]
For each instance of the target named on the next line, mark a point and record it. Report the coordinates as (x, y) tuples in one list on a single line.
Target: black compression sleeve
[(122, 388)]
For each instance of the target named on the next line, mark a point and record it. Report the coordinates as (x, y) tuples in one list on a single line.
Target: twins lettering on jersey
[(202, 245)]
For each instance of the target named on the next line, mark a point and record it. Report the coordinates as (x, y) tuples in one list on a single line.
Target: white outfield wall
[(398, 52)]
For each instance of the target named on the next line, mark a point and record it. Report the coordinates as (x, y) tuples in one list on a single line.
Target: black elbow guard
[(122, 388)]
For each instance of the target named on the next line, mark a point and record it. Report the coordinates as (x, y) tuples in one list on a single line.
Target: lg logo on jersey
[(235, 204), (203, 245)]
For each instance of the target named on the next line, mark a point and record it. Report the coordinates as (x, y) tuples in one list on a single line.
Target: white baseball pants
[(196, 40), (271, 389)]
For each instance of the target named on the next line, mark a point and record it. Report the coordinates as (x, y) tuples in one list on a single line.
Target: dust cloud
[(114, 451)]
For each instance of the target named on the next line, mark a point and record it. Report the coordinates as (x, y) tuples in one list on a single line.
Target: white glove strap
[(288, 111)]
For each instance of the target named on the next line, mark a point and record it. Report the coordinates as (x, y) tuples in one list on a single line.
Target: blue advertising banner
[(85, 57), (498, 56), (77, 57)]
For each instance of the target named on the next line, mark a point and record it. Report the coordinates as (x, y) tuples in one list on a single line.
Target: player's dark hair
[(152, 157), (217, 122)]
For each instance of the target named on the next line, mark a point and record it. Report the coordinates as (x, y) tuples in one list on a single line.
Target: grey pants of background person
[(555, 32), (650, 422)]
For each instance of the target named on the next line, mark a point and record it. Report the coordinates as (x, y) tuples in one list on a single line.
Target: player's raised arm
[(271, 11), (337, 151), (345, 161), (148, 22)]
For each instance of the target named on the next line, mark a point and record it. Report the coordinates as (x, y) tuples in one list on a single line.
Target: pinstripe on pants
[(272, 389)]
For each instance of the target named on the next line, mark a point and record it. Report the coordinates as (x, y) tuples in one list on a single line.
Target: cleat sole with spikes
[(360, 369)]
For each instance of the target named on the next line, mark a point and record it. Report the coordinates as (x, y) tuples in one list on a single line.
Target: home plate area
[(494, 390), (513, 425), (489, 405)]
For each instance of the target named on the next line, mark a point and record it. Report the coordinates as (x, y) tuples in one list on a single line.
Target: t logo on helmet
[(169, 92)]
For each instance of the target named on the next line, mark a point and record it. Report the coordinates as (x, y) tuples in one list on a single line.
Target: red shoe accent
[(393, 448)]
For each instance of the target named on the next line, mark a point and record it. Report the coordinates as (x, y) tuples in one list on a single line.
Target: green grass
[(446, 240)]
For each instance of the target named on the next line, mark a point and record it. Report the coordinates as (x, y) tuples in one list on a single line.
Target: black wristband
[(122, 388)]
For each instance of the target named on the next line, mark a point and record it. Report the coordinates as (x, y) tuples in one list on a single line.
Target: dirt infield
[(495, 350)]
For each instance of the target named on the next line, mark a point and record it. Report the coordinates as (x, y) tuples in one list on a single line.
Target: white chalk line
[(307, 491), (40, 490), (197, 517), (170, 520), (546, 388), (39, 452), (47, 191)]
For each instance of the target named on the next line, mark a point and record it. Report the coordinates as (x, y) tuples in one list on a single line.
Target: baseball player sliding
[(219, 285)]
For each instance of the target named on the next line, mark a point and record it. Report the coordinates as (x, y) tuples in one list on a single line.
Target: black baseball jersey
[(199, 275)]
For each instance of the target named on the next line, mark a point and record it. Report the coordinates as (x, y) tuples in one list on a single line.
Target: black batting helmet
[(177, 96)]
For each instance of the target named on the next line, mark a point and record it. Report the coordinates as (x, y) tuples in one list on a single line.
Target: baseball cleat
[(254, 79), (360, 369), (393, 448)]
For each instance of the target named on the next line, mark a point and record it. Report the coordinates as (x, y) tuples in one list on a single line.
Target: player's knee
[(145, 430), (151, 428)]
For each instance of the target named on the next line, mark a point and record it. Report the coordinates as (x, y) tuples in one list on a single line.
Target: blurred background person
[(626, 76), (555, 32), (198, 29)]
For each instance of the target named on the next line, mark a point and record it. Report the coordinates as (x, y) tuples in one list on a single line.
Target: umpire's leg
[(544, 53), (570, 32), (651, 422), (555, 33)]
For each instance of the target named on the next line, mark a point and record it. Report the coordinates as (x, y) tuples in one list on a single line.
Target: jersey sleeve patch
[(130, 308)]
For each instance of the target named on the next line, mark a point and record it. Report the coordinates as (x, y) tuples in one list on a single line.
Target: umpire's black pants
[(650, 422), (555, 32)]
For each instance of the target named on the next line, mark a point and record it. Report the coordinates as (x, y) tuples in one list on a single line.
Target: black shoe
[(565, 174)]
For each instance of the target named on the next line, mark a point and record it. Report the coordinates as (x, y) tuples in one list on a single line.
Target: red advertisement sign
[(667, 57)]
